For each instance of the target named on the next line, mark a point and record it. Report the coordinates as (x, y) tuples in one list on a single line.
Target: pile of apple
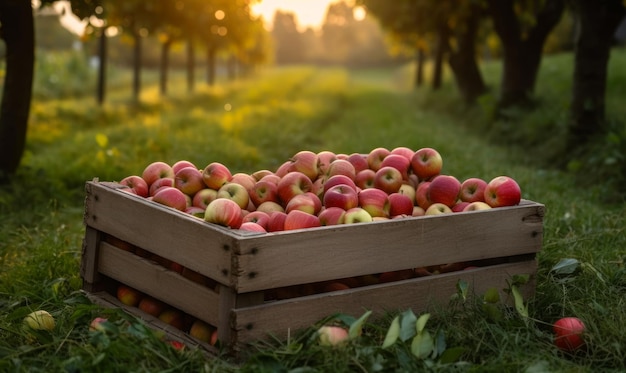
[(318, 189)]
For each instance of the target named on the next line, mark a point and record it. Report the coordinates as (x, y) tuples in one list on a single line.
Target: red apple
[(269, 207), (258, 175), (283, 169), (444, 189), (259, 217), (332, 335), (173, 317), (292, 184), (476, 206), (151, 306), (215, 175), (273, 178), (375, 202), (357, 215), (160, 183), (388, 179), (438, 209), (203, 197), (297, 219), (276, 222), (128, 295), (342, 196), (426, 163), (502, 191), (459, 206), (359, 161), (376, 156), (252, 227), (182, 164), (331, 216), (202, 331), (195, 211), (473, 189), (236, 192), (172, 197), (307, 202), (400, 204), (399, 162), (341, 167), (137, 184), (244, 179), (263, 190), (189, 180), (418, 211), (96, 325), (157, 170), (224, 211), (421, 195), (337, 180), (305, 161), (364, 179), (569, 334), (403, 151), (324, 158)]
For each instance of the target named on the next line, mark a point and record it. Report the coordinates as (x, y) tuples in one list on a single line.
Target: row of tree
[(451, 30)]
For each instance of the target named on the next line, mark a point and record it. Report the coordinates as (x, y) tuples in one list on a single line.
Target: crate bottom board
[(280, 318)]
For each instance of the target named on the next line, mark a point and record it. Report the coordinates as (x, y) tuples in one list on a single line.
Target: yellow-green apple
[(189, 180), (568, 333), (283, 169), (203, 197), (251, 226), (305, 161), (421, 195), (473, 189), (332, 335), (244, 179), (342, 196), (388, 179), (269, 207), (331, 216), (408, 190), (426, 163), (324, 158), (202, 331), (307, 202), (375, 202), (172, 197), (357, 215), (277, 221), (399, 162), (341, 167), (196, 211), (403, 151), (151, 306), (39, 320), (259, 217), (418, 211), (359, 161), (364, 179), (263, 190), (459, 206), (444, 189), (502, 191), (477, 206), (376, 156), (224, 211), (179, 165), (173, 317), (157, 170), (293, 183), (438, 209), (215, 175), (297, 219), (258, 175), (400, 204), (236, 192), (337, 180), (160, 183), (137, 184)]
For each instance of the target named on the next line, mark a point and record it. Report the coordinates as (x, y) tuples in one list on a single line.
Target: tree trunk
[(102, 62), (232, 67), (597, 22), (165, 52), (136, 66), (16, 19), (191, 66), (419, 67), (462, 60), (210, 66), (522, 48), (441, 50)]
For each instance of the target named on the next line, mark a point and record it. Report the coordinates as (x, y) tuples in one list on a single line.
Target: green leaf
[(440, 343), (422, 345), (566, 266), (521, 308), (407, 325), (452, 355), (357, 327), (521, 279), (491, 296), (462, 287), (393, 333), (421, 322)]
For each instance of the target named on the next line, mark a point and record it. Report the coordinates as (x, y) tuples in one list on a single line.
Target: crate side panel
[(161, 283), (264, 261), (419, 294), (187, 240)]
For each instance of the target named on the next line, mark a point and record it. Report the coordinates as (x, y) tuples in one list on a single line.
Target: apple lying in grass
[(332, 335), (502, 191), (97, 324), (569, 333), (39, 320)]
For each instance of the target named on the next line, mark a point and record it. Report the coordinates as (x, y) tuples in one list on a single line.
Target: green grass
[(258, 123)]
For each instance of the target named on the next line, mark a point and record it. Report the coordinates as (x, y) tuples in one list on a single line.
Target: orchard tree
[(289, 46)]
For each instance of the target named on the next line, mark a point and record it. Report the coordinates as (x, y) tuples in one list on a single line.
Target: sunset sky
[(308, 12)]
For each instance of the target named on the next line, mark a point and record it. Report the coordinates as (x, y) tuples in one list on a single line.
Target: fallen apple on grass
[(568, 333)]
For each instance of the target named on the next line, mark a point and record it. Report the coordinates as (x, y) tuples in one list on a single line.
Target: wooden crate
[(243, 268)]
